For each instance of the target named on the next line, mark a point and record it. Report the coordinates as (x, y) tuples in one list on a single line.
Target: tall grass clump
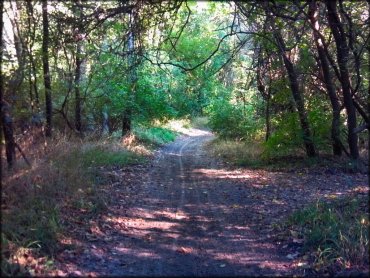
[(335, 233)]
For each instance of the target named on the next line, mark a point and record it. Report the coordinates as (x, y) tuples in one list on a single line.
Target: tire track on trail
[(191, 229), (180, 222)]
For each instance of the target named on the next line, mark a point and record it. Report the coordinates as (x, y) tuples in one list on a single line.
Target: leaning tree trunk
[(297, 96), (324, 64), (342, 59), (45, 62)]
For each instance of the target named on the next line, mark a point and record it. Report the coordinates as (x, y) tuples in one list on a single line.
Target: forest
[(185, 138)]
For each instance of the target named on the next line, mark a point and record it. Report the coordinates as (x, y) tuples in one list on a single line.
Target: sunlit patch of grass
[(335, 233), (154, 135), (236, 152)]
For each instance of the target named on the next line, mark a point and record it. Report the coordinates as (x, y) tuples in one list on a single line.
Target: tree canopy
[(293, 73)]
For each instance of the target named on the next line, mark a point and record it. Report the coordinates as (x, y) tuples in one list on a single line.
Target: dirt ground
[(186, 214)]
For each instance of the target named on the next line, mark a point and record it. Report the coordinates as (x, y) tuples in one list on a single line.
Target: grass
[(238, 153), (101, 155), (154, 136), (34, 199), (65, 183), (251, 154), (336, 234)]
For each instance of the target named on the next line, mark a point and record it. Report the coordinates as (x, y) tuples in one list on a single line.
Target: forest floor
[(188, 214)]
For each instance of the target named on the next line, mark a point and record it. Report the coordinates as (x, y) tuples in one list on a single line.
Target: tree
[(328, 79), (45, 62), (340, 38)]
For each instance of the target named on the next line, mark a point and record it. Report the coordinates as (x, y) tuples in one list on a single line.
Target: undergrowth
[(35, 199), (154, 135), (239, 153), (336, 234), (251, 154), (200, 122)]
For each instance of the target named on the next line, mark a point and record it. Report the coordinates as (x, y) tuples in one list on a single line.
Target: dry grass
[(236, 152), (63, 174)]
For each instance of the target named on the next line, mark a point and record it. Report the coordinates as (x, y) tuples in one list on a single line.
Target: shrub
[(233, 121)]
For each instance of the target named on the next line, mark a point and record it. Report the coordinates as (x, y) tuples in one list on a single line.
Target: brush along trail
[(187, 214)]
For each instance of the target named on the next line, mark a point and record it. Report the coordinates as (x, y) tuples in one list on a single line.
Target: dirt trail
[(185, 215)]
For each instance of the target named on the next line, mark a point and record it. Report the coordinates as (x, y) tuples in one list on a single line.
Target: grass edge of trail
[(67, 176), (335, 234)]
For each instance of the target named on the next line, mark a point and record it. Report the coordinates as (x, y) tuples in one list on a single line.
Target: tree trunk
[(266, 94), (13, 85), (32, 65), (368, 106), (1, 90), (267, 114), (79, 66), (126, 122), (7, 124), (342, 58), (127, 113), (45, 62), (324, 64), (297, 96), (77, 88)]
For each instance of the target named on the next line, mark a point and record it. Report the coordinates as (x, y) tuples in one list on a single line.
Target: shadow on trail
[(194, 218)]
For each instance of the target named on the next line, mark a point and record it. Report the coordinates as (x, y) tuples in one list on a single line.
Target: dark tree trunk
[(297, 96), (45, 62), (368, 105), (324, 64), (13, 85), (342, 58), (7, 126), (79, 66), (127, 113), (1, 88), (32, 65), (267, 114), (126, 122), (77, 88), (266, 94)]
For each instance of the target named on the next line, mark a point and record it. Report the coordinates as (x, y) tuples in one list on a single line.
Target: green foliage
[(286, 138), (154, 135), (233, 121), (336, 232), (103, 156)]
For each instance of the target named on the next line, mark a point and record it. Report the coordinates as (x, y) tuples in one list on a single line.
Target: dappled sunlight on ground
[(223, 174), (192, 132), (189, 216)]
